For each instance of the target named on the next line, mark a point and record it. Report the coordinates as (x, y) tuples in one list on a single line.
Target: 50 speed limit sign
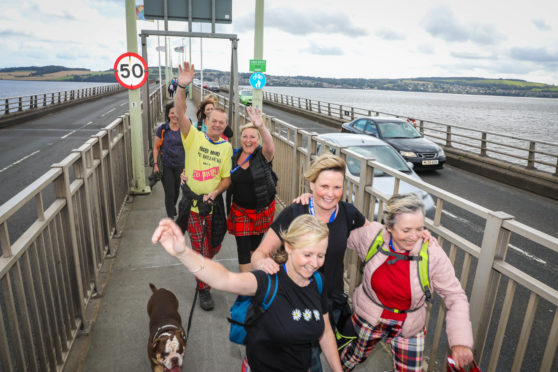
[(131, 70)]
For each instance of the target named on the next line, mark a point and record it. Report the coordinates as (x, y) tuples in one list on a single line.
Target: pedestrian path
[(119, 330)]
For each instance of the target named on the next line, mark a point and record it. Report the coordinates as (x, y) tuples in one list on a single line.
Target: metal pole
[(201, 65), (257, 94), (146, 117), (160, 81), (234, 98), (190, 43), (167, 73), (139, 185)]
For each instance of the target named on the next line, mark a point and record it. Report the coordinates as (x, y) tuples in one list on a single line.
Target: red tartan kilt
[(244, 222)]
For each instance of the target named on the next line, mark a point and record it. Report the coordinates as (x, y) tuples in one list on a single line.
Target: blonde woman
[(252, 189), (281, 339), (325, 176)]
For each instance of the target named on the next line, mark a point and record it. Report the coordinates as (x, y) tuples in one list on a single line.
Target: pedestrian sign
[(257, 80), (257, 65)]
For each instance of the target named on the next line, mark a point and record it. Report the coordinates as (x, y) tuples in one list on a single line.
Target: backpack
[(244, 312), (422, 261)]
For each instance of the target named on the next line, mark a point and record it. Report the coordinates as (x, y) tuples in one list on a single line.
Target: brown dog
[(167, 341)]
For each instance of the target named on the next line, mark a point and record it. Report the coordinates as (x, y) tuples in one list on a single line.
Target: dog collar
[(162, 328)]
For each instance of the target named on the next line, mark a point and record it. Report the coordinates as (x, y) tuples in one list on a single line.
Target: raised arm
[(216, 275), (268, 147), (261, 258), (184, 79)]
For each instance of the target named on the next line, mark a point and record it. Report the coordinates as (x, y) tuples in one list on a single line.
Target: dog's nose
[(174, 361)]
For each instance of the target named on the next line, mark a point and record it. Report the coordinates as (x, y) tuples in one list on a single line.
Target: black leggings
[(171, 185), (246, 245)]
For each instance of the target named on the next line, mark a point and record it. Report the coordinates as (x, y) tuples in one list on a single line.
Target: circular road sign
[(131, 70), (257, 80)]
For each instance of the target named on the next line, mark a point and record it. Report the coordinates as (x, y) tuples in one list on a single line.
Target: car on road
[(213, 86), (409, 142), (384, 154), (245, 96)]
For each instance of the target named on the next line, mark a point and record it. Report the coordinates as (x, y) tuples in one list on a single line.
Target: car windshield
[(385, 155), (398, 130), (246, 93)]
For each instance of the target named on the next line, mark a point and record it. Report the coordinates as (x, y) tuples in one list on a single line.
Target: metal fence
[(17, 104), (530, 153), (498, 289), (50, 271)]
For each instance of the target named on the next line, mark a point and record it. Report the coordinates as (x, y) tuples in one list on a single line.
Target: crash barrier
[(502, 295), (13, 105), (529, 153), (49, 269)]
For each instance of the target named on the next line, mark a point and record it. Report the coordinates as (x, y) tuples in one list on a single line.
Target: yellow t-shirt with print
[(206, 163)]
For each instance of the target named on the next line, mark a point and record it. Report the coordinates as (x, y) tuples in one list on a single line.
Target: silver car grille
[(427, 155)]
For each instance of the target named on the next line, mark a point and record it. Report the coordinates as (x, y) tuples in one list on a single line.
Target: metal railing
[(530, 153), (50, 270), (13, 105), (489, 279)]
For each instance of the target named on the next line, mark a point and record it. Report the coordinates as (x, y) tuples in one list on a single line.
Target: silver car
[(384, 154)]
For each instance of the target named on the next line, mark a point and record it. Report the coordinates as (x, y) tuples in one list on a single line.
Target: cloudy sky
[(326, 38)]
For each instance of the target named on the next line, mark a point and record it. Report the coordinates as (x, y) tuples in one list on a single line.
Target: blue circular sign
[(257, 80)]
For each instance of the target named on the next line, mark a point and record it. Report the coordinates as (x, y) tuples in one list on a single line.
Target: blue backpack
[(244, 312)]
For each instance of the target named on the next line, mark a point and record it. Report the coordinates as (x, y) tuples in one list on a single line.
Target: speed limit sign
[(131, 70)]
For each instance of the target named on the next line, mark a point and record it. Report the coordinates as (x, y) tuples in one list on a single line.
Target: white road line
[(69, 134), (518, 250), (20, 160), (87, 124), (109, 111), (528, 255), (125, 103)]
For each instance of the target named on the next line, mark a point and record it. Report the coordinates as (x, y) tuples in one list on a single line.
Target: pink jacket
[(442, 280)]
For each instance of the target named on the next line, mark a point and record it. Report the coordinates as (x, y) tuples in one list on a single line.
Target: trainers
[(206, 302)]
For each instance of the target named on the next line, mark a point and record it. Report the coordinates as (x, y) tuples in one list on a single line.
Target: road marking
[(87, 124), (69, 134), (518, 250), (528, 255), (109, 111), (20, 160), (125, 103)]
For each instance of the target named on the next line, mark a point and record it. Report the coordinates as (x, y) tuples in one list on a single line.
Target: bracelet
[(201, 267), (185, 87)]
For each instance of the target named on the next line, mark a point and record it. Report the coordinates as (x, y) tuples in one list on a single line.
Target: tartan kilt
[(245, 222)]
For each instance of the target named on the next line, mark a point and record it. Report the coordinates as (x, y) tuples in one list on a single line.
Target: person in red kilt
[(253, 188)]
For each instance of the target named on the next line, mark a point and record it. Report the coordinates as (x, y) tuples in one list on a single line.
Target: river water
[(16, 88), (535, 118)]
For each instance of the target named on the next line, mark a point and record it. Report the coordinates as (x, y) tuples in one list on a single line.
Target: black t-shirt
[(348, 218), (281, 339), (242, 188)]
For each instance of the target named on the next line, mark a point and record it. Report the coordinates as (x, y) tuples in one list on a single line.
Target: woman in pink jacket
[(391, 303)]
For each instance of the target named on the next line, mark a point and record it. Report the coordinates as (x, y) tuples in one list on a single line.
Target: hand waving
[(186, 74), (255, 116), (170, 236)]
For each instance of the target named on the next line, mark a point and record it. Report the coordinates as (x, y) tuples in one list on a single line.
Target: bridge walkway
[(119, 331)]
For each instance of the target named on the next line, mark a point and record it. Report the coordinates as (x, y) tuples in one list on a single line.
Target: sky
[(324, 38)]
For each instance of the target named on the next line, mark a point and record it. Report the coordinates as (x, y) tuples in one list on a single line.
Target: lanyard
[(215, 143), (313, 212), (391, 244), (238, 166)]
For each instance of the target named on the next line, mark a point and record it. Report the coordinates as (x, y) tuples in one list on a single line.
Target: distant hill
[(458, 85)]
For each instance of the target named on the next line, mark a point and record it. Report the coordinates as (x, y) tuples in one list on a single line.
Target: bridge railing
[(530, 153), (13, 105), (50, 267), (497, 288)]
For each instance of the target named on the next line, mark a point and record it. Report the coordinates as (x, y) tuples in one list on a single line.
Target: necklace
[(313, 212)]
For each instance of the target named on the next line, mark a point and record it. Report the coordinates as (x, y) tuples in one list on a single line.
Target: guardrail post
[(340, 111), (483, 295), (352, 113), (319, 107), (531, 157), (448, 136), (483, 144), (62, 190), (299, 103), (44, 100), (421, 126), (7, 107), (20, 106)]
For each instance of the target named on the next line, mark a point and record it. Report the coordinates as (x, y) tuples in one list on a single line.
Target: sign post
[(258, 64), (139, 185)]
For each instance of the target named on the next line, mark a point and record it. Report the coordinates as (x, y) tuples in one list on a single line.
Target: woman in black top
[(281, 338), (252, 188)]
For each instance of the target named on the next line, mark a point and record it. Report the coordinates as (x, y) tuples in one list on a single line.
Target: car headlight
[(441, 152), (408, 154)]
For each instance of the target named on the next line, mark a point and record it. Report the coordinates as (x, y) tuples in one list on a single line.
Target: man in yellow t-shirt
[(207, 169)]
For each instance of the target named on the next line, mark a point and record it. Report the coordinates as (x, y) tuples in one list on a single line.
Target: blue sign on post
[(257, 80)]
